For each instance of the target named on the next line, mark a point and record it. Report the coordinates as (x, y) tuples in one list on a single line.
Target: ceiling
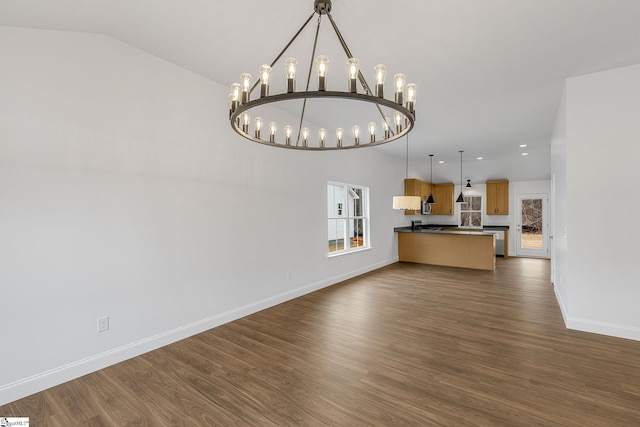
[(490, 74)]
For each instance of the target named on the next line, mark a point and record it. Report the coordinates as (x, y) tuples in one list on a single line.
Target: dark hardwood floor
[(407, 344)]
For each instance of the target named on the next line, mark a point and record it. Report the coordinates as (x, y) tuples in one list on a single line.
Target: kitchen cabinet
[(413, 187), (443, 195), (498, 197)]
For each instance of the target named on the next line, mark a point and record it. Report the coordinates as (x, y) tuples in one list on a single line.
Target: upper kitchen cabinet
[(413, 187), (498, 197), (443, 195)]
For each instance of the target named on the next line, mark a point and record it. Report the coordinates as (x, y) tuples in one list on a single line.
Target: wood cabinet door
[(443, 194), (497, 197), (412, 187)]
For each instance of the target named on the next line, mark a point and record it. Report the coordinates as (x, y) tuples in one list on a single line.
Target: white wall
[(559, 244), (124, 192), (601, 291), (603, 145)]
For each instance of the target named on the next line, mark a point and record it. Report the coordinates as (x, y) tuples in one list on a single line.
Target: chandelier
[(396, 117)]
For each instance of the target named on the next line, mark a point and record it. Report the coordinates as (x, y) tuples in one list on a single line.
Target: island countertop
[(476, 232)]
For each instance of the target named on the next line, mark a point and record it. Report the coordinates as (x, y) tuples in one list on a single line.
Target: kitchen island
[(455, 248)]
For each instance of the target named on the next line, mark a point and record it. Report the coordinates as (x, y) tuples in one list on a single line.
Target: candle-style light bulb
[(291, 66), (380, 73), (372, 131), (356, 134), (265, 75), (339, 133), (398, 83), (322, 64), (397, 118), (287, 131), (305, 136), (273, 127), (386, 124), (234, 96), (245, 83), (353, 69), (322, 132), (411, 97), (246, 118), (259, 122)]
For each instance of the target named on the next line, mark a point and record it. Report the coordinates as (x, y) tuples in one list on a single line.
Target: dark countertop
[(434, 230), (496, 227)]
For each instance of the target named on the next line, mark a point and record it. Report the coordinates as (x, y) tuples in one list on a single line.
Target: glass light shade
[(406, 202), (411, 92), (372, 128), (305, 133), (380, 72), (386, 123), (287, 131), (246, 118), (322, 132), (322, 63), (291, 66), (356, 131), (273, 127), (231, 99), (245, 81), (265, 74), (339, 133), (236, 90), (259, 123), (353, 68), (397, 118), (399, 81)]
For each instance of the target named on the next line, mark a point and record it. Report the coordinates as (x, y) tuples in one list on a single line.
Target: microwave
[(425, 208)]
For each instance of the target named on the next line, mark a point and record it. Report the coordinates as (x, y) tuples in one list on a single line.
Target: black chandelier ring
[(397, 128)]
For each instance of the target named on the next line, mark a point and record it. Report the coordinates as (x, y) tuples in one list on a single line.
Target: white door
[(531, 226)]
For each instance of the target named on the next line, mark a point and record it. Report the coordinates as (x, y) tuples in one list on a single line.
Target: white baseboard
[(44, 380), (563, 309), (595, 327), (602, 328)]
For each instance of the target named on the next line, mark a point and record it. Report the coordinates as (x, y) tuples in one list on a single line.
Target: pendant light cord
[(406, 166)]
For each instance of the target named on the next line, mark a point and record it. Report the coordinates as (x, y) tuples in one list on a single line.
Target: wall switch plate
[(103, 324)]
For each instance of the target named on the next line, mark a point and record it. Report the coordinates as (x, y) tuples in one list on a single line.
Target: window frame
[(480, 211), (345, 211)]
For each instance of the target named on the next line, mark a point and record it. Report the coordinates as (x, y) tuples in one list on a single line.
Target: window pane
[(358, 201), (337, 228), (356, 233), (476, 219), (464, 219), (335, 201), (476, 203)]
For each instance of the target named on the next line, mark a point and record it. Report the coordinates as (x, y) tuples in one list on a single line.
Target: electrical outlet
[(103, 324)]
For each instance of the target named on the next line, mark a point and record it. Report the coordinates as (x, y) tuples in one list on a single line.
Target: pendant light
[(407, 202), (431, 200), (468, 184), (460, 198)]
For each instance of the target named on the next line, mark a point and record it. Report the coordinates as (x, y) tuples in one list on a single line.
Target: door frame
[(533, 253)]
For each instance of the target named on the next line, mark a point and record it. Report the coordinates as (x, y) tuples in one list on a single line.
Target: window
[(471, 212), (348, 217)]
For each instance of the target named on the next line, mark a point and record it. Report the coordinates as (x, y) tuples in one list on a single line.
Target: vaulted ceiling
[(490, 73)]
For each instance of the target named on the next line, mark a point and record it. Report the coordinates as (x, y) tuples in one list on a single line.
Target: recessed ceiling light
[(441, 161), (523, 145), (480, 158), (525, 154)]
